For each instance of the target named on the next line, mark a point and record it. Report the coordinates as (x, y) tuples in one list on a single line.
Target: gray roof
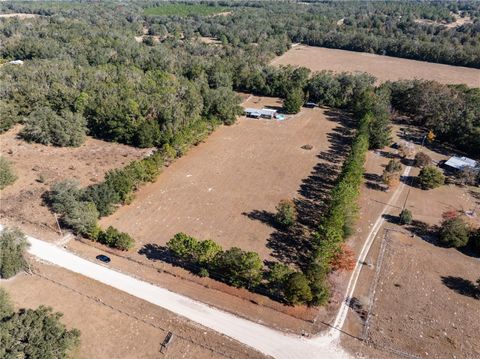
[(461, 162)]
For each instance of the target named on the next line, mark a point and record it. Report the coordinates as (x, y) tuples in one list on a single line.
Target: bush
[(422, 160), (454, 233), (467, 176), (82, 218), (393, 166), (297, 289), (239, 268), (286, 214), (63, 195), (116, 239), (7, 177), (344, 259), (405, 216), (294, 101), (13, 245), (45, 126), (430, 177)]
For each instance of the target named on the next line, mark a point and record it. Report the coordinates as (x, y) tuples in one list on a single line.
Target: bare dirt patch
[(19, 15), (385, 68), (38, 167), (114, 324)]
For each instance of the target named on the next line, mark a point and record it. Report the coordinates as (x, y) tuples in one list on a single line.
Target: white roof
[(16, 62), (263, 111), (461, 162)]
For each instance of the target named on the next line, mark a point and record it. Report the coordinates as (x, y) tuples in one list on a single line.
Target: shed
[(459, 163), (252, 112), (16, 62)]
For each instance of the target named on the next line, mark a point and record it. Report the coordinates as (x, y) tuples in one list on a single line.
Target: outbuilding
[(459, 163)]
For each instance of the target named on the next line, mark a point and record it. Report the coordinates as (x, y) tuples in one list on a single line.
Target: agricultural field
[(38, 167), (114, 324), (384, 68), (184, 10)]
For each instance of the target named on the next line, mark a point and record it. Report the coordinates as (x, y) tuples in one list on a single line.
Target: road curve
[(266, 340)]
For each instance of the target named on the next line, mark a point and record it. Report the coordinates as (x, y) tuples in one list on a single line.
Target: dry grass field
[(114, 324), (422, 306), (226, 189), (384, 68), (38, 167)]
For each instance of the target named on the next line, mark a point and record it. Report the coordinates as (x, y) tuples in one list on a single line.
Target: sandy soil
[(19, 15), (222, 188), (38, 167), (410, 279), (385, 68), (459, 21), (209, 40), (129, 327)]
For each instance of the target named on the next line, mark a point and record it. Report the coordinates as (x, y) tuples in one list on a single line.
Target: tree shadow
[(293, 245), (374, 181), (462, 286), (424, 232)]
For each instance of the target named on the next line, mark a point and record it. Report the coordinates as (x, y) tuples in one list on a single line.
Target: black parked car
[(103, 258)]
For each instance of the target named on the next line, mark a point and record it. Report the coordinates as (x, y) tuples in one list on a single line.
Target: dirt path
[(259, 337)]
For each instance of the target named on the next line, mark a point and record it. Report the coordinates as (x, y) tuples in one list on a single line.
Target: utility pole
[(58, 224)]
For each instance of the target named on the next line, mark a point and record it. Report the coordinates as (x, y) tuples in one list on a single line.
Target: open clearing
[(225, 188), (114, 324), (38, 167), (384, 68), (19, 15)]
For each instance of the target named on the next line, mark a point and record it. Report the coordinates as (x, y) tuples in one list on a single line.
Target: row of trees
[(240, 269)]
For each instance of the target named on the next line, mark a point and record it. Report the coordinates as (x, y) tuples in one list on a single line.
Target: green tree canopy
[(13, 245)]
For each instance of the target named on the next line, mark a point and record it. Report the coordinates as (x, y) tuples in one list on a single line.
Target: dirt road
[(259, 337)]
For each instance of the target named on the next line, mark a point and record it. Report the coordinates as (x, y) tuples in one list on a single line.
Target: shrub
[(116, 239), (182, 246), (297, 289), (239, 268), (344, 259), (430, 177), (422, 160), (13, 245), (467, 176), (47, 127), (405, 216), (393, 166), (454, 233), (82, 218), (63, 195), (286, 214), (7, 177), (293, 101)]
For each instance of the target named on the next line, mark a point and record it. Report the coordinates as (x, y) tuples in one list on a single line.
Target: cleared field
[(184, 10), (226, 188), (38, 167), (19, 15), (114, 324), (384, 68)]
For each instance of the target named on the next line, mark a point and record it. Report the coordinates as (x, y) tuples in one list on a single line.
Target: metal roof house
[(459, 163), (264, 113)]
